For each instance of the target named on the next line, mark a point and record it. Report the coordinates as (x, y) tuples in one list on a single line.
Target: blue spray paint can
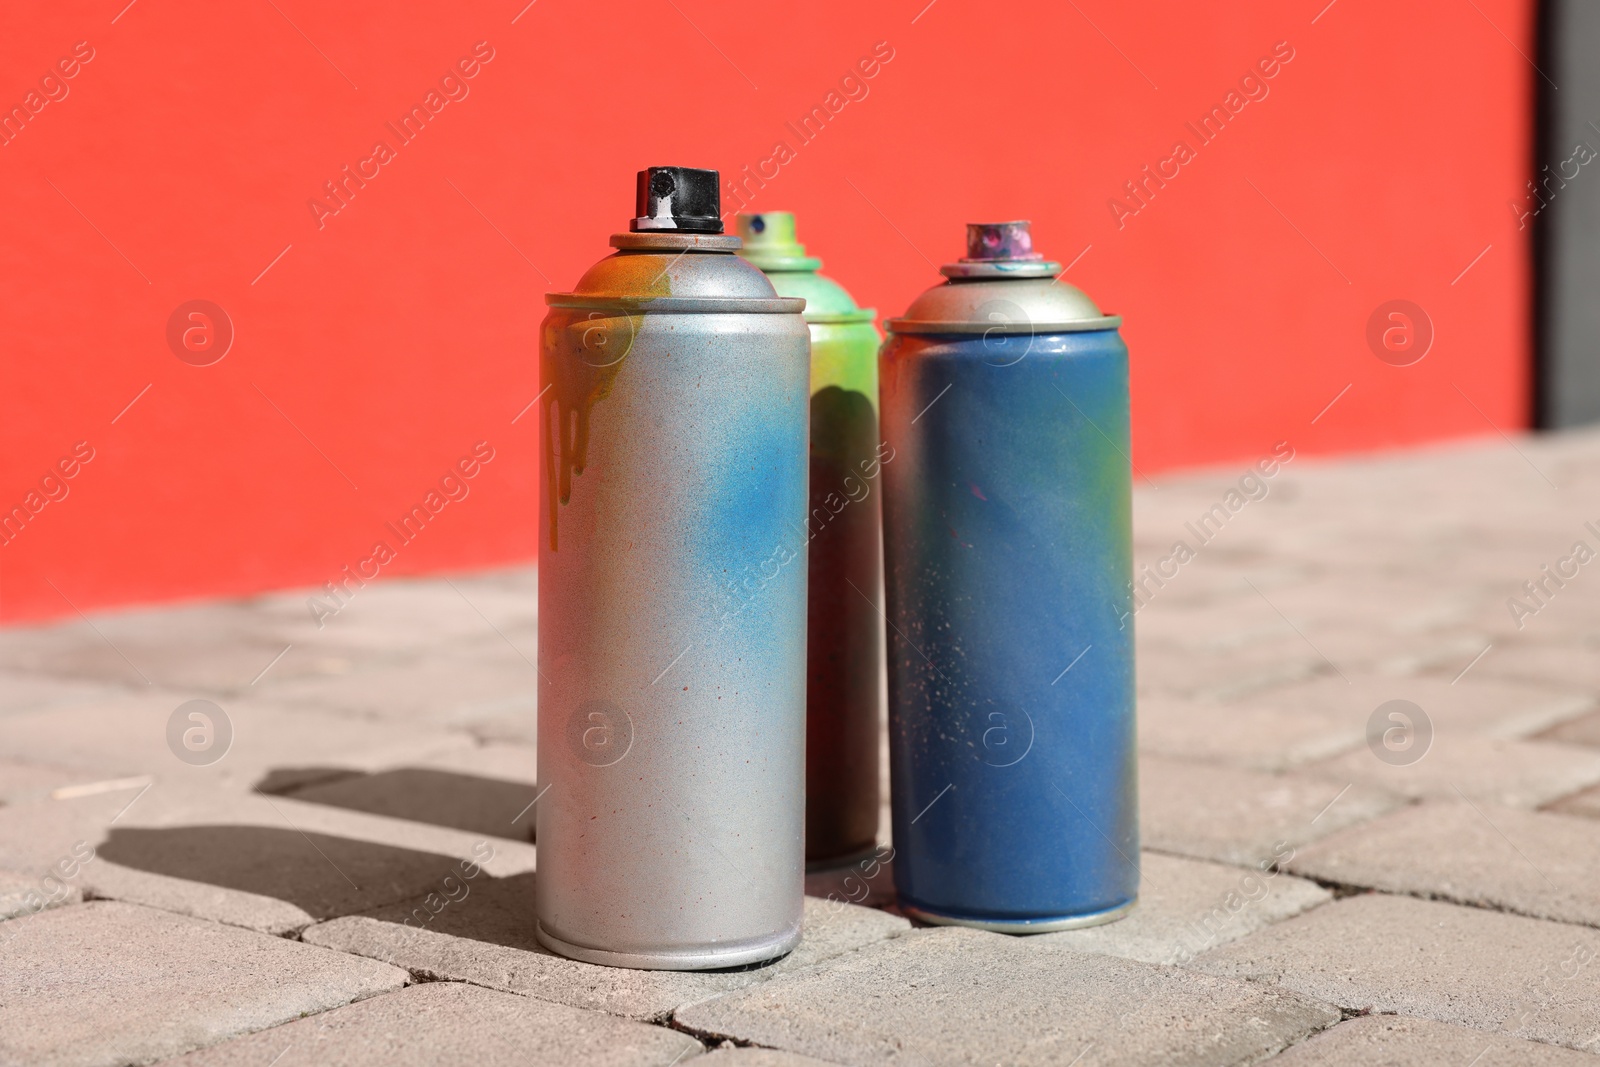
[(1008, 557), (672, 598)]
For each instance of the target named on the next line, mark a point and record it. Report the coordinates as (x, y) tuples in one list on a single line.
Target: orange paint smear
[(580, 355)]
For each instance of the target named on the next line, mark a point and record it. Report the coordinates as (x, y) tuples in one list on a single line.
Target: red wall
[(391, 338)]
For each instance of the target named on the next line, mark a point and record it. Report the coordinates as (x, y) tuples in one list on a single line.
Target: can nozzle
[(770, 232), (677, 198), (991, 241)]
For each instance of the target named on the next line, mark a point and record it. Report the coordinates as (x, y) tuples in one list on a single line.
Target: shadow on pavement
[(495, 910), (281, 781), (493, 806), (326, 876)]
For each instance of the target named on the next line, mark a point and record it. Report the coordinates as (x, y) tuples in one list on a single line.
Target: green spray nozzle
[(769, 242)]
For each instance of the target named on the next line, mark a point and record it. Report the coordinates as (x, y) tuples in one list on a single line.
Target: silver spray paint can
[(672, 598)]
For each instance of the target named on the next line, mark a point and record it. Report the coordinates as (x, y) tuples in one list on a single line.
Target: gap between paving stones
[(1412, 1041), (450, 1022), (1470, 855), (493, 945), (1398, 955), (708, 1039), (1342, 890), (991, 996)]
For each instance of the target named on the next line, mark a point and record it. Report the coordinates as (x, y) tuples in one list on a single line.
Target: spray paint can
[(672, 598), (1008, 551), (844, 652)]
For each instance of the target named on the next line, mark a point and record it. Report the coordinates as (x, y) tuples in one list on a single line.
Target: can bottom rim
[(708, 958), (1042, 925)]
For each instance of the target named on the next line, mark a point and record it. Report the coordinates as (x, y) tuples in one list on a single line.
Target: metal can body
[(672, 594), (844, 655), (845, 643), (1007, 526)]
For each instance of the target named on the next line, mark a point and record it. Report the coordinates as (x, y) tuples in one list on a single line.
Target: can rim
[(833, 318), (958, 326), (782, 264), (1003, 268), (675, 241), (739, 305), (707, 958), (1042, 925)]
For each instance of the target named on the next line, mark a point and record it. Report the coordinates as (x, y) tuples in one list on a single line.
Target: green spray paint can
[(844, 635)]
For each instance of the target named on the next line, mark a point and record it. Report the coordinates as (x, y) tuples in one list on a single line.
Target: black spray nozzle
[(678, 198)]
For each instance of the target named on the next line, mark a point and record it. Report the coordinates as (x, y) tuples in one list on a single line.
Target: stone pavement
[(334, 864)]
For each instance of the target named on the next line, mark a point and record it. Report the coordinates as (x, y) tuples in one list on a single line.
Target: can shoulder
[(651, 273), (988, 305)]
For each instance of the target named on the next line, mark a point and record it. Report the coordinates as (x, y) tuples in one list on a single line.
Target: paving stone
[(211, 648), (1529, 979), (1207, 676), (1493, 707), (1398, 1041), (518, 580), (22, 894), (503, 760), (270, 744), (1199, 627), (1520, 774), (487, 790), (272, 864), (956, 996), (757, 1057), (1219, 589), (1360, 648), (108, 983), (1585, 804), (1584, 730), (1571, 617), (1352, 648), (1188, 906), (1244, 817), (447, 1022), (1393, 612), (422, 613), (489, 694), (1260, 736), (1249, 619), (487, 939), (24, 692), (1446, 657), (1575, 664), (1297, 724), (28, 781), (1532, 863)]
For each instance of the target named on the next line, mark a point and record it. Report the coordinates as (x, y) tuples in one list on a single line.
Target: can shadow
[(327, 877), (323, 875), (866, 885), (498, 911), (493, 806)]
